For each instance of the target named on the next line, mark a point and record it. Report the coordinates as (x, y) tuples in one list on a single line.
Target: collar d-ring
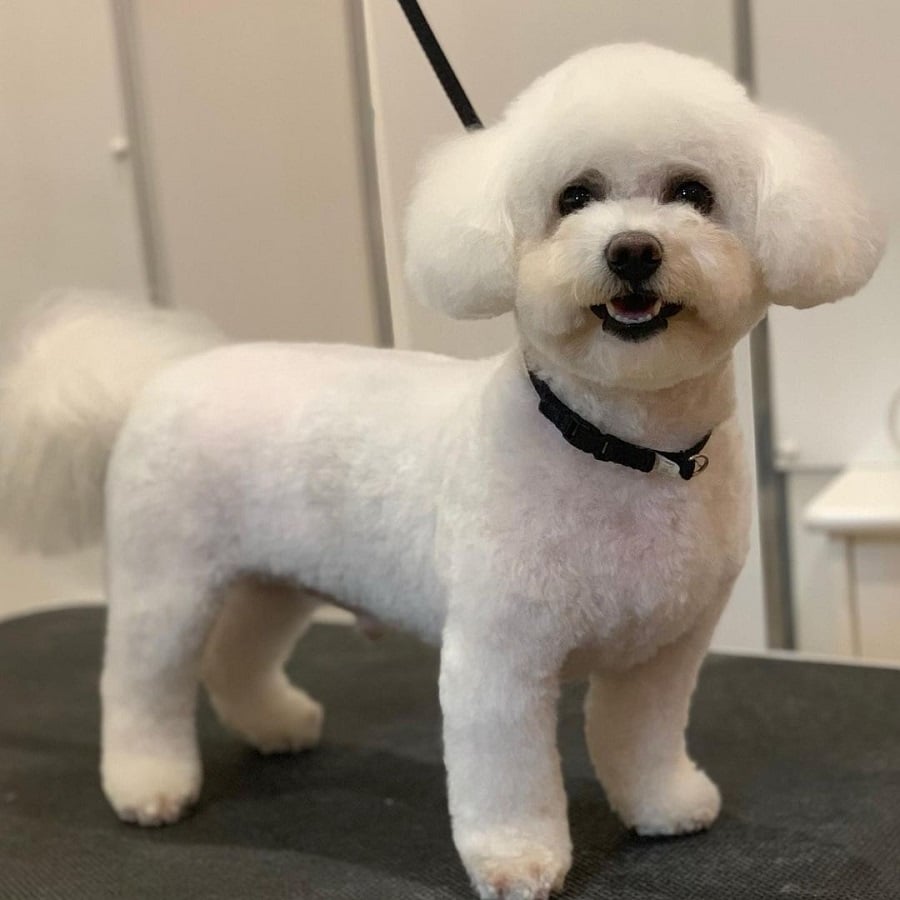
[(700, 462)]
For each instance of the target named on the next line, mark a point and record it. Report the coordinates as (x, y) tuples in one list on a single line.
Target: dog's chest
[(621, 560)]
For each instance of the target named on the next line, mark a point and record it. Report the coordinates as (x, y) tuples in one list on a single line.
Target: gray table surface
[(807, 756)]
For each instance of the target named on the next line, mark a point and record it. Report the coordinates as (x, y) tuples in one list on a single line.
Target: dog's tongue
[(634, 307)]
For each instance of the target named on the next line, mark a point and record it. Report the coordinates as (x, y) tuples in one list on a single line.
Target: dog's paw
[(505, 868), (283, 720), (148, 790), (686, 803), (291, 722)]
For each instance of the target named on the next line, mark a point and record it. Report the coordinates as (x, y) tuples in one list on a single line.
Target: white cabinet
[(859, 511)]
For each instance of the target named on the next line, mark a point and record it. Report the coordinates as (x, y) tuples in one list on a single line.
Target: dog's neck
[(671, 418)]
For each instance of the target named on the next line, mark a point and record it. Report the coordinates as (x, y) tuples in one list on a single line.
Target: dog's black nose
[(634, 255)]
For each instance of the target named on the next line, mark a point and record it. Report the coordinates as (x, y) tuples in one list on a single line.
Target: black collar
[(608, 448)]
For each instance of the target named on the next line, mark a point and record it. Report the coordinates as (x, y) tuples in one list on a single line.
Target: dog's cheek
[(712, 271), (729, 271), (547, 299)]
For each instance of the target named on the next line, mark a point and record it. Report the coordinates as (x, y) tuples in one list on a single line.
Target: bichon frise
[(575, 508)]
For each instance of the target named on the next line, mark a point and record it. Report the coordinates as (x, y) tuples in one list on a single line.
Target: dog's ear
[(459, 239), (817, 237)]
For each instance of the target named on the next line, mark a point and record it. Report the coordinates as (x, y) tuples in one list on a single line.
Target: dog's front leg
[(507, 803), (635, 723)]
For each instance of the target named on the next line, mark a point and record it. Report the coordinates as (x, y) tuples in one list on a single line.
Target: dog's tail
[(68, 377)]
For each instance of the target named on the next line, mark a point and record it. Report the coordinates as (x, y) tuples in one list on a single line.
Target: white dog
[(638, 213)]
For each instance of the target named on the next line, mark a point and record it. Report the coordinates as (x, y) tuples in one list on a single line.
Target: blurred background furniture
[(859, 511)]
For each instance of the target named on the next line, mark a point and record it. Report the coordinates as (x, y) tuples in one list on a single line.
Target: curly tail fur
[(68, 377)]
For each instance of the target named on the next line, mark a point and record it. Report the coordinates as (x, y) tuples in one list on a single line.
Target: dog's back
[(318, 464)]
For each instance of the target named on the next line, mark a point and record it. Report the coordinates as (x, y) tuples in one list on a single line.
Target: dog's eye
[(695, 193), (575, 197)]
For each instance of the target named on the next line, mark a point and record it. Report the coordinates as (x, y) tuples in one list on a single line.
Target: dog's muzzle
[(638, 313)]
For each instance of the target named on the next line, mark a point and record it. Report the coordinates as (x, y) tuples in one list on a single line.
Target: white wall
[(255, 150), (497, 48), (67, 212), (835, 64), (67, 209)]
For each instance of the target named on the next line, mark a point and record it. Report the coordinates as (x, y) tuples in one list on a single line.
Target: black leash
[(441, 65), (609, 448)]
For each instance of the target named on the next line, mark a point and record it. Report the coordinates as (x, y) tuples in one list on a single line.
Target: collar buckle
[(666, 466)]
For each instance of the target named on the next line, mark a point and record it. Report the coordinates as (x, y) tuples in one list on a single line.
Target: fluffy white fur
[(250, 481), (70, 373)]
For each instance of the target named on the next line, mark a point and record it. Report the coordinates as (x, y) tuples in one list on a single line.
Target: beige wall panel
[(67, 209), (253, 123)]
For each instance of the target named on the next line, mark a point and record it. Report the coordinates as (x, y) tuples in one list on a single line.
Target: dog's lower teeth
[(632, 320), (635, 318)]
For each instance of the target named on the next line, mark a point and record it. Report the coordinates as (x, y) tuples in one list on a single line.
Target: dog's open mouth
[(635, 317)]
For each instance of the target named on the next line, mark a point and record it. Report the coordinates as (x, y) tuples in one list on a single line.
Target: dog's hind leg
[(159, 616), (243, 667)]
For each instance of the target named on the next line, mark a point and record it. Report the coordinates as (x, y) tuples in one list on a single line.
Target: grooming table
[(807, 756)]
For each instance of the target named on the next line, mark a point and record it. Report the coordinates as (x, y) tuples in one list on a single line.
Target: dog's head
[(638, 212)]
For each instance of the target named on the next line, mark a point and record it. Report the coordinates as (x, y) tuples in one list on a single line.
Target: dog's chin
[(637, 316)]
